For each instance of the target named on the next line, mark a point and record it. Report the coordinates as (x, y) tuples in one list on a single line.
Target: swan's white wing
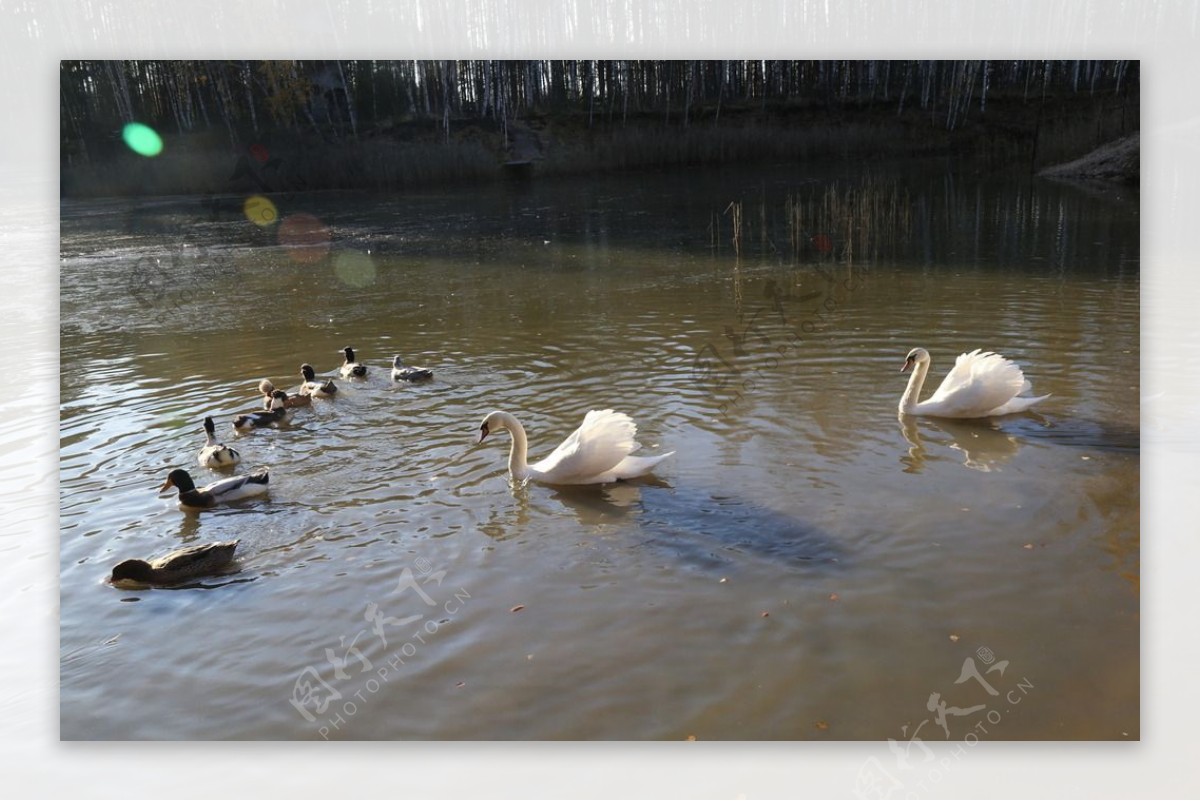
[(1015, 405), (596, 447), (632, 467), (979, 383)]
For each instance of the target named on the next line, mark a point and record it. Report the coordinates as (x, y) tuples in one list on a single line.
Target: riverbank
[(1118, 162), (403, 154)]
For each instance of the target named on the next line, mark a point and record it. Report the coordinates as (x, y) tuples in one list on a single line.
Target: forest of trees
[(231, 104)]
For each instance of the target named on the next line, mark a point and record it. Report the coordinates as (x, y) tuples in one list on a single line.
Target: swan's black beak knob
[(483, 432)]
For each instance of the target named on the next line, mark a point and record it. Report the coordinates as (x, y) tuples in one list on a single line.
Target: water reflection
[(796, 494), (607, 503), (983, 444)]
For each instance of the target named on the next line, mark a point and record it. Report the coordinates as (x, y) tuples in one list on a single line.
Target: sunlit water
[(804, 567)]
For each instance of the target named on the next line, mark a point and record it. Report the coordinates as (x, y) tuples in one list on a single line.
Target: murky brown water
[(804, 567)]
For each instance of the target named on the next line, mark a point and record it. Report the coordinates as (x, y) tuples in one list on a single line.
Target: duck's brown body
[(186, 563)]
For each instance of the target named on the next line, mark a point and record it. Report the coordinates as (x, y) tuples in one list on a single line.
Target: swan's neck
[(518, 466), (908, 401)]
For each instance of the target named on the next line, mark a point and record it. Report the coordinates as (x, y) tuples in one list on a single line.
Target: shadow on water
[(986, 444), (1077, 433), (702, 528)]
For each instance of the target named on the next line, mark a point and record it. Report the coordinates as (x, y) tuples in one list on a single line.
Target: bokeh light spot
[(354, 269), (142, 139), (260, 211), (304, 237)]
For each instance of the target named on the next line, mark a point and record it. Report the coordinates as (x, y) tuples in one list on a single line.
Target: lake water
[(806, 566)]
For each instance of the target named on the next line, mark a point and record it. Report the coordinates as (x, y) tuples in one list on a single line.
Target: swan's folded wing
[(599, 444), (978, 383)]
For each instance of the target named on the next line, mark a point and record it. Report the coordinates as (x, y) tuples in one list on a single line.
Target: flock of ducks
[(981, 384), (207, 558)]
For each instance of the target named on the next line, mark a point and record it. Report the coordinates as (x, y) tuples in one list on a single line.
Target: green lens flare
[(142, 139)]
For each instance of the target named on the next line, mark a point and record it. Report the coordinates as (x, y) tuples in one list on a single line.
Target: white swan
[(596, 453), (980, 385)]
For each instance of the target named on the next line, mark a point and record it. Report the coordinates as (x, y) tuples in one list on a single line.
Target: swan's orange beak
[(907, 363)]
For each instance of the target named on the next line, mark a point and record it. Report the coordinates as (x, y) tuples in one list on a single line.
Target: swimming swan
[(980, 385), (596, 453)]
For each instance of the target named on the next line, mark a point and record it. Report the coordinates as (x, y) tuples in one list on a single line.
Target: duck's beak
[(483, 432), (166, 485)]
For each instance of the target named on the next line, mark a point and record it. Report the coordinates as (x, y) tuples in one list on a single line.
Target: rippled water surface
[(805, 566)]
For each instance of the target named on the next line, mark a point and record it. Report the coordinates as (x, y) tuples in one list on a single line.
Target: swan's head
[(915, 356), (493, 422)]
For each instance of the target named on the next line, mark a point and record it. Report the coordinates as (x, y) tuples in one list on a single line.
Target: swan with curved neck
[(981, 384), (598, 452)]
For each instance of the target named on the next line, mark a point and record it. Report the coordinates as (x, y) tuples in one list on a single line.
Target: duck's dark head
[(133, 570), (397, 362), (307, 371), (209, 427), (278, 398), (348, 352), (180, 479)]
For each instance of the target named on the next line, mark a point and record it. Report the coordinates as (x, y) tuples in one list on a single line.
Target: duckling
[(223, 491), (312, 386), (402, 373), (214, 454), (291, 401), (277, 413), (351, 368), (186, 563)]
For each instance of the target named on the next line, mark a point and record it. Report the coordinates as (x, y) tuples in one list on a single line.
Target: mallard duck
[(223, 491), (176, 566), (312, 386), (214, 454), (290, 401), (351, 368), (402, 373), (277, 413)]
